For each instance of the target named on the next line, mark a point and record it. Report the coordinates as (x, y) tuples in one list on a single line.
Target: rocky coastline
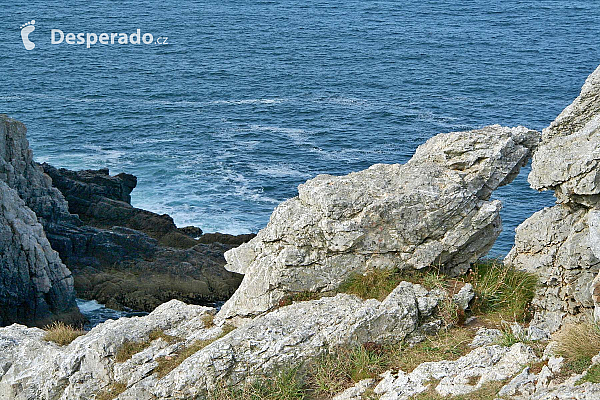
[(377, 263)]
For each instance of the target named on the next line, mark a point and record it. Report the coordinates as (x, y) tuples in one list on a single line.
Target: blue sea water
[(250, 98)]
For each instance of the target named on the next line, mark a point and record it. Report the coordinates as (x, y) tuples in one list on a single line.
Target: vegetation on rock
[(61, 334)]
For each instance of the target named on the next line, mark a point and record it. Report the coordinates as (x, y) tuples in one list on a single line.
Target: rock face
[(19, 172), (31, 368), (560, 244), (434, 210), (35, 287)]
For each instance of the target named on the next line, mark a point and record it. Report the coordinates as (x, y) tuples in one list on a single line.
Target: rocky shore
[(377, 270)]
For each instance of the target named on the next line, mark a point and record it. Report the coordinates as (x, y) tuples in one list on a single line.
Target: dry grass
[(208, 320), (169, 363), (578, 344), (160, 334), (446, 345), (489, 391), (130, 347), (111, 391), (61, 334)]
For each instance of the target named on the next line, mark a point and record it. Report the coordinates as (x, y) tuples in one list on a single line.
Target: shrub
[(61, 334)]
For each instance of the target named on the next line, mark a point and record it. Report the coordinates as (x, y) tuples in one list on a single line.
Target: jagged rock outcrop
[(129, 257), (284, 338), (119, 255), (560, 244), (18, 171), (103, 201), (461, 377), (35, 287), (432, 211)]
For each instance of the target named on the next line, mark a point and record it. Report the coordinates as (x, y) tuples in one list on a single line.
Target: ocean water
[(249, 99)]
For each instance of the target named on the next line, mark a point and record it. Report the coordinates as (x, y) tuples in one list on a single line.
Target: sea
[(231, 104)]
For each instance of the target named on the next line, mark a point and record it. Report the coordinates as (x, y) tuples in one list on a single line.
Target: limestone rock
[(355, 392), (561, 244), (282, 339), (461, 377), (567, 159), (464, 296), (31, 368), (434, 210)]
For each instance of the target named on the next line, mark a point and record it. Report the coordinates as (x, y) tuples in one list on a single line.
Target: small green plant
[(592, 375), (61, 334), (578, 344)]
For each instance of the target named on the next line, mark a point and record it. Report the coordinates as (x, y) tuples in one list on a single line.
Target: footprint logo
[(25, 31)]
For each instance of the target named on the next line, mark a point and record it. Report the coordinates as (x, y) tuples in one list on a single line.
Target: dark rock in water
[(224, 238), (191, 231), (35, 287), (126, 257), (119, 255), (194, 275), (103, 201)]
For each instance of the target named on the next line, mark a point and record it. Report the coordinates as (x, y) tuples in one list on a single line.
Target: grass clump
[(61, 334), (112, 391), (208, 320), (447, 345), (578, 344), (378, 283), (129, 348), (287, 385), (502, 290), (160, 334), (335, 371)]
